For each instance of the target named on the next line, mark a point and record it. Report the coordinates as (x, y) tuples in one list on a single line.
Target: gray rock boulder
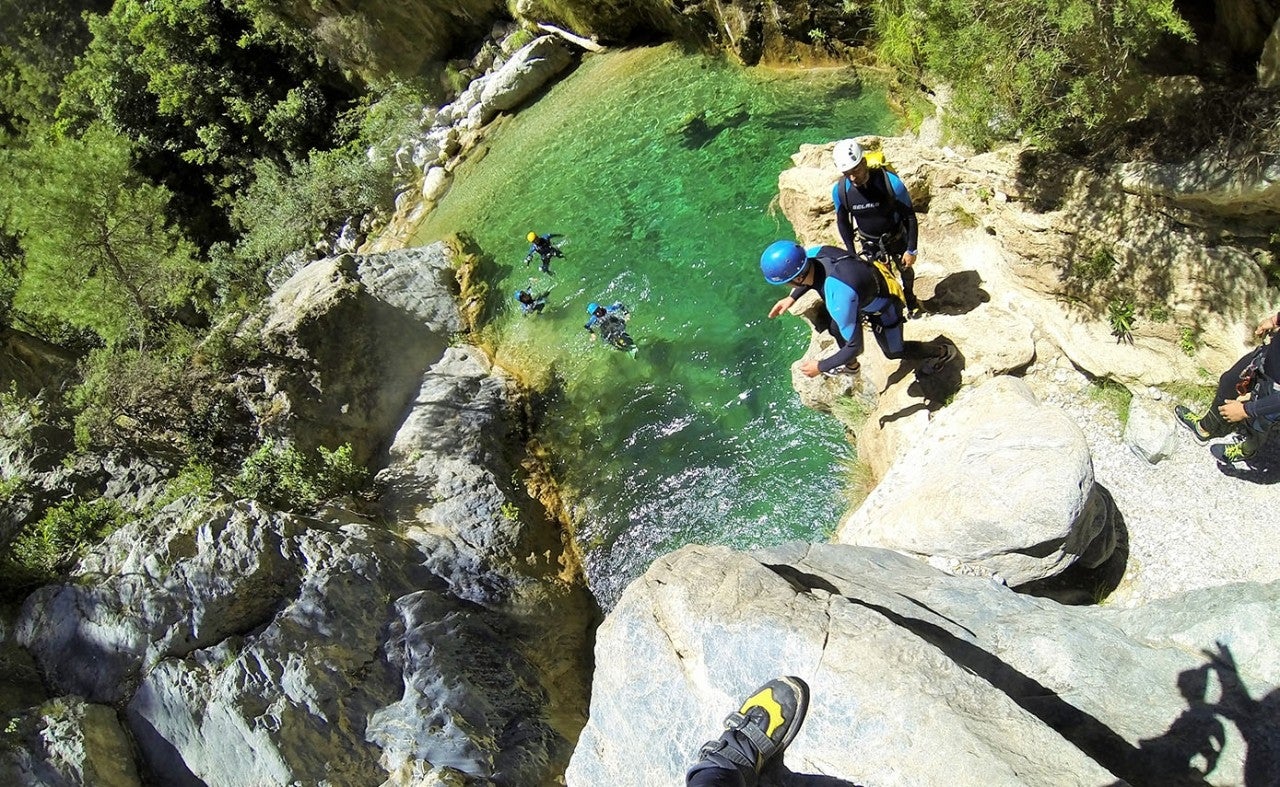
[(918, 677), (524, 73), (301, 650), (996, 484), (1151, 432), (349, 338), (70, 742)]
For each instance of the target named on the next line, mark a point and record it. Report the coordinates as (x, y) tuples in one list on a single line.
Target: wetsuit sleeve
[(842, 304), (910, 226), (843, 224), (1268, 406)]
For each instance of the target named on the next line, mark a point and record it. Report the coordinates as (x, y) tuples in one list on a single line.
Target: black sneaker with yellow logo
[(759, 731)]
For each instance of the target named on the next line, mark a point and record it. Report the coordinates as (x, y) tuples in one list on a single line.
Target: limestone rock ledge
[(918, 677)]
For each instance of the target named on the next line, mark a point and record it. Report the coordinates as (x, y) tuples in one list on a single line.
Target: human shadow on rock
[(957, 293), (1188, 751)]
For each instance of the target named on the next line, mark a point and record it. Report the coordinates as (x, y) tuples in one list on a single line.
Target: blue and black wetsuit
[(852, 289), (879, 211), (615, 310), (543, 247)]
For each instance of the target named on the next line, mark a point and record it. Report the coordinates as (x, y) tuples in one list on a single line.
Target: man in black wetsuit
[(1248, 400), (853, 291), (541, 245), (874, 207)]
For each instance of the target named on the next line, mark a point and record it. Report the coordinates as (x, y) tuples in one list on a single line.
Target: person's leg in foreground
[(754, 737)]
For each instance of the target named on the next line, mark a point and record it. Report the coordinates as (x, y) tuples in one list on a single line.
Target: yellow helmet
[(531, 237)]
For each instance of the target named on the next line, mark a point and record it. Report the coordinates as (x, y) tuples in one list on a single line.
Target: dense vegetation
[(1051, 71)]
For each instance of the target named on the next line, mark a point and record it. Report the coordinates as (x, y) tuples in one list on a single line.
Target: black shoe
[(1192, 422), (762, 728), (1230, 453), (848, 369)]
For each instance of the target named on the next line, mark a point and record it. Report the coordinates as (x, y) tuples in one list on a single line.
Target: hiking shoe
[(847, 369), (763, 727), (1230, 453), (943, 357), (1192, 422)]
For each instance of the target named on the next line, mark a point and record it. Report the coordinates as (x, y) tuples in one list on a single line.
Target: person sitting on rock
[(542, 246), (754, 737), (852, 290), (530, 303), (1247, 401)]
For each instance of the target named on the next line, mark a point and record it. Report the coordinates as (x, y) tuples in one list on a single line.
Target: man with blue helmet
[(600, 317), (852, 290), (874, 207)]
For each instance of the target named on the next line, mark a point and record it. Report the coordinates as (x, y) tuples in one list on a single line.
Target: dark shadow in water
[(698, 130), (957, 293)]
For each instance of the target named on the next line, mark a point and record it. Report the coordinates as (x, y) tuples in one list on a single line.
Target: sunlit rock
[(997, 483), (918, 677)]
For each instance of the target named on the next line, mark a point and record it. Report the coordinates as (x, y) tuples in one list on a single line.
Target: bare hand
[(781, 306), (809, 368), (1233, 411), (908, 259), (1267, 324)]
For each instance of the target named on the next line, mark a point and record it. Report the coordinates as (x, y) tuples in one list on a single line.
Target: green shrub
[(1114, 396), (46, 550), (1055, 72), (1189, 341), (195, 479), (280, 475), (1094, 266), (1122, 314)]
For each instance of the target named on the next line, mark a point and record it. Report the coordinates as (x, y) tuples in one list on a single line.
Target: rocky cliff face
[(439, 635), (922, 678)]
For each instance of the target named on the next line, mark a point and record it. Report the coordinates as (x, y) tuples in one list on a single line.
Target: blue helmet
[(591, 307), (782, 261)]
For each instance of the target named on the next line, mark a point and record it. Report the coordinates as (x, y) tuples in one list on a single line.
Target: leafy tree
[(39, 41), (200, 80), (97, 251), (1052, 71)]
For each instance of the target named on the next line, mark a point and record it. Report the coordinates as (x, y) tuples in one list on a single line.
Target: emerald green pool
[(659, 168)]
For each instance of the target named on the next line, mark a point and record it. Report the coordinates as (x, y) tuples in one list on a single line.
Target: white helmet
[(847, 154)]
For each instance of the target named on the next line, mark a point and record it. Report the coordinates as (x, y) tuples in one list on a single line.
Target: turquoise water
[(698, 436)]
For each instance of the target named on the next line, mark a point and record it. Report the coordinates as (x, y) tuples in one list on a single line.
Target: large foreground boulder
[(922, 678), (998, 484)]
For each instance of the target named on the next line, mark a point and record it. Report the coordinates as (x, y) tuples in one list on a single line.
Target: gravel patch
[(1191, 523)]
